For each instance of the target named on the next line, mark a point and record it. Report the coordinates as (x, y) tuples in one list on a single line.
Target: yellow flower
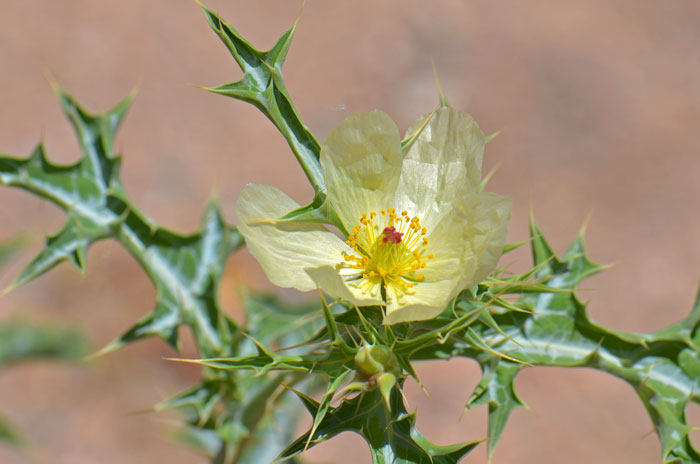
[(419, 230)]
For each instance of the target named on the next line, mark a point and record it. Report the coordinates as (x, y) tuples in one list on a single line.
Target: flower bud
[(373, 360)]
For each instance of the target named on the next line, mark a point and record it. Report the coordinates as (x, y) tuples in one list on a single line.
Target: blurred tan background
[(600, 102)]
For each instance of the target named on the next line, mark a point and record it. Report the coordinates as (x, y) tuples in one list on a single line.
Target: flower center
[(389, 253)]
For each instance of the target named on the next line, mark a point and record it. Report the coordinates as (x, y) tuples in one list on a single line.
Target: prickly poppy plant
[(402, 244)]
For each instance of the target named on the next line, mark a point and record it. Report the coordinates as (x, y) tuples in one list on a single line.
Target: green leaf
[(315, 212), (508, 247), (84, 190), (496, 389), (186, 269), (248, 422), (390, 433), (662, 367), (262, 86), (331, 361), (269, 320), (325, 404)]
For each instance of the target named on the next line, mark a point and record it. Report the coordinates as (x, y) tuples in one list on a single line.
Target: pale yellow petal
[(448, 240), (361, 160), (284, 250), (441, 165), (487, 237), (328, 280), (468, 242), (428, 301)]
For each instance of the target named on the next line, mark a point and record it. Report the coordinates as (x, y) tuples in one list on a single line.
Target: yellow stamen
[(388, 253)]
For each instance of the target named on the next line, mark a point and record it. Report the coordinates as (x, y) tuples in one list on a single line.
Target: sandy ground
[(600, 102)]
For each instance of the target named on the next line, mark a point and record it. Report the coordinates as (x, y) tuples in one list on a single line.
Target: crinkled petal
[(486, 238), (448, 240), (284, 250), (442, 164), (428, 301), (468, 242), (361, 160), (328, 280), (466, 245)]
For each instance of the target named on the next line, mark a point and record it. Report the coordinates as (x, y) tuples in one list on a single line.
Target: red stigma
[(391, 235)]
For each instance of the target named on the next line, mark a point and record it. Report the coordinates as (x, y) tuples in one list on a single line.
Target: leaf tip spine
[(114, 346), (441, 93)]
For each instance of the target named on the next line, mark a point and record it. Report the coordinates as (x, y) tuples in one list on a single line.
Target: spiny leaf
[(541, 251), (83, 190), (496, 389), (269, 320), (475, 339), (662, 367), (667, 410), (390, 433), (325, 404), (332, 361), (251, 421), (201, 398), (508, 247), (186, 270), (260, 364), (262, 86)]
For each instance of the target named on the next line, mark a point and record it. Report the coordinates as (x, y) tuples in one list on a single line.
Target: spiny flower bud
[(377, 366), (372, 360)]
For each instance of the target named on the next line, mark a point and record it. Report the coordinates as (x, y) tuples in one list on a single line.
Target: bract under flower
[(419, 228)]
